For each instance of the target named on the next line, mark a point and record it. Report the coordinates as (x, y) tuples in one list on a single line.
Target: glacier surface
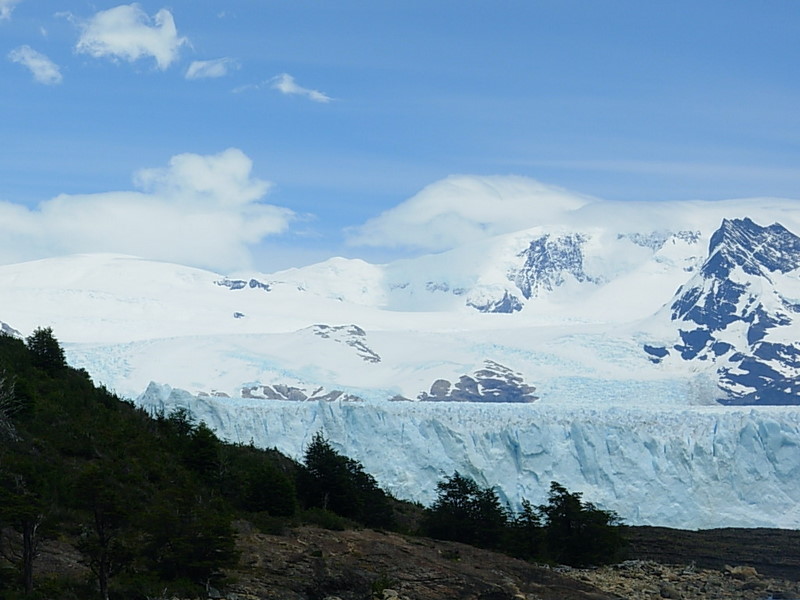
[(620, 332), (699, 467)]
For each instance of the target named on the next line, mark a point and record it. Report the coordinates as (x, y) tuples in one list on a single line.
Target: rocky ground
[(314, 564), (772, 552), (645, 580), (309, 563)]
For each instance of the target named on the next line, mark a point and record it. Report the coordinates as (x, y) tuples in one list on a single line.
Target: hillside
[(99, 499), (309, 563)]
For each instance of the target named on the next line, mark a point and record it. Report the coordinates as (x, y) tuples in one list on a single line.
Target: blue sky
[(268, 134)]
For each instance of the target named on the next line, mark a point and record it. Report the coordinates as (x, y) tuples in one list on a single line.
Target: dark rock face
[(728, 310), (349, 335), (240, 284), (296, 394), (657, 239), (509, 303), (493, 383), (6, 329), (547, 261)]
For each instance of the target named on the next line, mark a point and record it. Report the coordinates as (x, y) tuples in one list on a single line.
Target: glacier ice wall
[(691, 468)]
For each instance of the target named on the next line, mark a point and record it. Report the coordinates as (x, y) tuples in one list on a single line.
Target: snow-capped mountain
[(566, 326), (738, 313)]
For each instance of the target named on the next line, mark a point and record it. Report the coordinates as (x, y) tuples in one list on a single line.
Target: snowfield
[(649, 362)]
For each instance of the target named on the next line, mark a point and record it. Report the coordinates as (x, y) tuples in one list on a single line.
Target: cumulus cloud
[(126, 32), (6, 7), (464, 208), (198, 210), (44, 70), (204, 69), (286, 84)]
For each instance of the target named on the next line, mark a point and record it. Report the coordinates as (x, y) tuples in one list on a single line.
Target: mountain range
[(681, 317)]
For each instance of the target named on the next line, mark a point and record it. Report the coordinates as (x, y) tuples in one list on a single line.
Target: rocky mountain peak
[(732, 314), (756, 249), (548, 260)]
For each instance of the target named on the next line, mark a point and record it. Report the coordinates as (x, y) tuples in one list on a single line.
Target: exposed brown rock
[(313, 564), (308, 563)]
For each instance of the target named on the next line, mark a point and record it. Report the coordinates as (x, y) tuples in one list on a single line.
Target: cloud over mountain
[(200, 210), (461, 208)]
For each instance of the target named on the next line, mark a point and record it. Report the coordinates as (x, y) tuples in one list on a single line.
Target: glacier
[(639, 379), (691, 468)]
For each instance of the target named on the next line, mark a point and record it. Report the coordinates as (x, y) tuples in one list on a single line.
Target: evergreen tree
[(465, 512), (189, 535), (334, 482), (577, 532), (46, 351), (253, 482), (526, 534), (105, 490), (24, 506)]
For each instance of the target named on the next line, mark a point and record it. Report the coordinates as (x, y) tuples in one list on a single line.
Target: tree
[(335, 482), (189, 535), (525, 533), (46, 351), (201, 453), (578, 533), (465, 512), (23, 506), (10, 404), (253, 482), (107, 492)]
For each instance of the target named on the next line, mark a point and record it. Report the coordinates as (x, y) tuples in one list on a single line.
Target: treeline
[(565, 530), (150, 502)]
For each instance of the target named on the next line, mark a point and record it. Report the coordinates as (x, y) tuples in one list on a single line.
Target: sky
[(263, 135)]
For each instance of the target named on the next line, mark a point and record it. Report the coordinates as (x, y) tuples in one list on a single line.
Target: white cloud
[(286, 84), (464, 208), (6, 8), (44, 70), (198, 210), (126, 32), (203, 69)]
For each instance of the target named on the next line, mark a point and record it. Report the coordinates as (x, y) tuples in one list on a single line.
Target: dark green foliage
[(188, 537), (334, 482), (149, 502), (566, 530), (325, 519), (254, 482), (525, 536), (466, 512), (24, 505), (201, 454), (106, 490), (46, 351), (577, 532), (78, 462)]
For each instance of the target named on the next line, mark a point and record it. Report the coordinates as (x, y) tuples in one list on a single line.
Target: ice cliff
[(688, 468)]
